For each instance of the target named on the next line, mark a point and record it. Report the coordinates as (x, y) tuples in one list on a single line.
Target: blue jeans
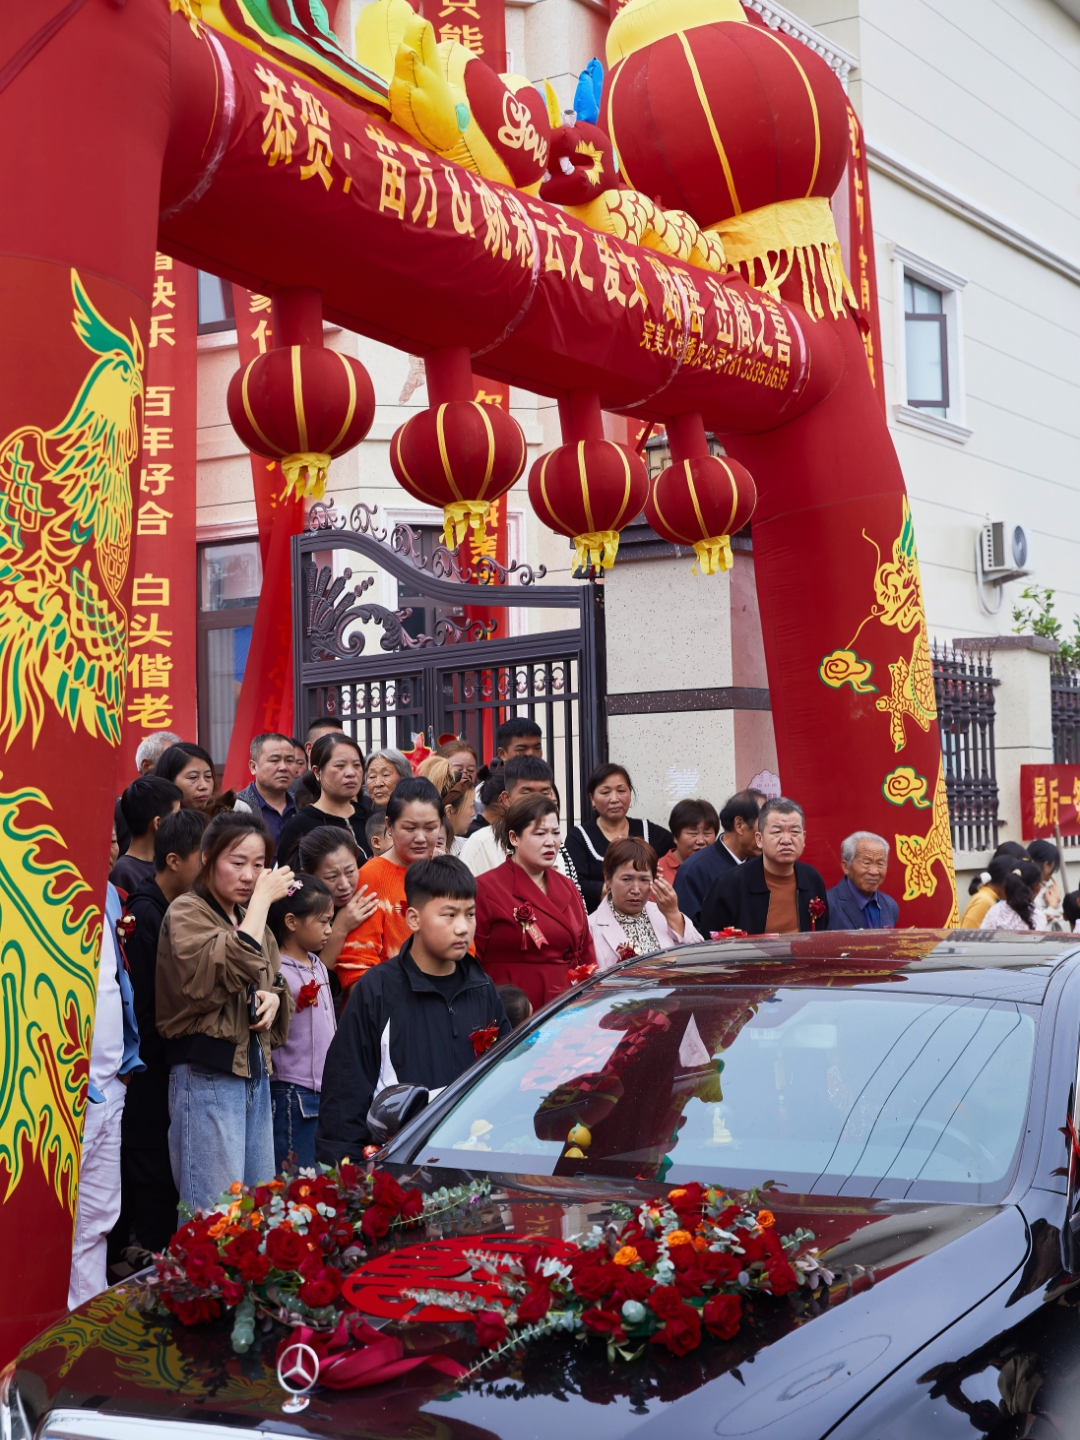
[(296, 1118), (220, 1130)]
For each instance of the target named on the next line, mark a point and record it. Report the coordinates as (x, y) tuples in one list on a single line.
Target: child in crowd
[(375, 830), (421, 1018), (301, 925), (414, 817), (516, 1003)]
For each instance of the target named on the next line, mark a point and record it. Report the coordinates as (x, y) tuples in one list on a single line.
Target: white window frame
[(906, 264)]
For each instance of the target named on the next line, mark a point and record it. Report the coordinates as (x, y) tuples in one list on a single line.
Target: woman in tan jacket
[(222, 1006)]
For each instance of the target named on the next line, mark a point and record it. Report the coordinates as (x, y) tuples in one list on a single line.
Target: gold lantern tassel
[(713, 555), (596, 547), (310, 464), (460, 516)]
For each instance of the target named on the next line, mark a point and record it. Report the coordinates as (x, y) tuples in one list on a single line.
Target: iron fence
[(964, 686)]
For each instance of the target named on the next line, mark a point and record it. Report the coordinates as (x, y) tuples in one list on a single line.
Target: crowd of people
[(274, 958)]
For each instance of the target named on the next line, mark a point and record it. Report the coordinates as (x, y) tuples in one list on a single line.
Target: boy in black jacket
[(413, 1019)]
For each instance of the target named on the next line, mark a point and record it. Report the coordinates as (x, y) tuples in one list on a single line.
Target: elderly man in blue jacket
[(858, 902)]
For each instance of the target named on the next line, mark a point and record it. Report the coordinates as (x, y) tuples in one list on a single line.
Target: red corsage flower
[(483, 1040), (817, 909), (308, 995), (729, 932), (125, 927), (578, 974), (525, 916), (626, 951)]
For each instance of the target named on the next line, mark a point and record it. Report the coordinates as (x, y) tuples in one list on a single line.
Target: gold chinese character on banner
[(157, 437), (146, 630), (154, 478), (471, 36), (158, 400), (150, 672), (152, 519), (279, 133), (161, 330), (314, 114), (1040, 800), (152, 712), (150, 590)]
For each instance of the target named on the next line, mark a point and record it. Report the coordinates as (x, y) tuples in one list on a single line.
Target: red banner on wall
[(266, 699), (479, 25), (1049, 800), (161, 645)]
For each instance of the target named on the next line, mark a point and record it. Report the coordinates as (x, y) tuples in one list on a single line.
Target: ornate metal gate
[(391, 672)]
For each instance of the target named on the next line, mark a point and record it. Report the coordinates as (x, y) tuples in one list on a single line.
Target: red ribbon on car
[(356, 1354)]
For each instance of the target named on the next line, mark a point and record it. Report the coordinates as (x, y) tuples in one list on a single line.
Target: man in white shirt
[(524, 775), (114, 1055)]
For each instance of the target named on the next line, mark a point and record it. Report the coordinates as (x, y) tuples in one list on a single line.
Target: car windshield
[(833, 1092)]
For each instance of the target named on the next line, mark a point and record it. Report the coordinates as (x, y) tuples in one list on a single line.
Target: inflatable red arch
[(160, 125)]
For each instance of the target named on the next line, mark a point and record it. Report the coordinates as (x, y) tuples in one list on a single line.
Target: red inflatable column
[(87, 116)]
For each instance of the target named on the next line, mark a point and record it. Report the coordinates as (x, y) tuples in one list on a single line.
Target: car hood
[(902, 1273)]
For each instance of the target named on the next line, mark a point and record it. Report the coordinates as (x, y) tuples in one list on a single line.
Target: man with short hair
[(518, 736), (145, 803), (736, 843), (300, 759), (858, 902), (152, 748), (772, 893), (271, 763), (149, 1195), (522, 775)]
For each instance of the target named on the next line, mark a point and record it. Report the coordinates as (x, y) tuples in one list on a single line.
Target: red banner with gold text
[(863, 267), (479, 25), (266, 699), (1049, 800), (161, 646)]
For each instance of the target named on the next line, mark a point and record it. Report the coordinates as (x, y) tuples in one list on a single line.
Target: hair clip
[(294, 885)]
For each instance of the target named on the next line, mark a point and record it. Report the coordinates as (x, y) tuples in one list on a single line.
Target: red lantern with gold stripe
[(459, 453), (302, 405), (589, 488), (716, 115), (700, 500)]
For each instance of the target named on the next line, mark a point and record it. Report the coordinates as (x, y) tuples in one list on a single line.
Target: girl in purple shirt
[(301, 925)]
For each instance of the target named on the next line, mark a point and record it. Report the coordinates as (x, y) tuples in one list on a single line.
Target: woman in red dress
[(531, 927)]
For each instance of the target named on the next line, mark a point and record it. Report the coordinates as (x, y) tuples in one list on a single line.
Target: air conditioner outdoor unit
[(1004, 551)]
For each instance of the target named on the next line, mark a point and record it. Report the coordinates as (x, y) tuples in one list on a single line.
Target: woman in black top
[(338, 766), (610, 792)]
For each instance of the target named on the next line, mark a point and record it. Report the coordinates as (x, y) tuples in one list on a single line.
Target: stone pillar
[(684, 713)]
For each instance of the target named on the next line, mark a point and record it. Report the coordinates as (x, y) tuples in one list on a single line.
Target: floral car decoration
[(296, 1250)]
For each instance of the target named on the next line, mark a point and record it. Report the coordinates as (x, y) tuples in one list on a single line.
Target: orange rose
[(765, 1218), (700, 1243), (674, 1194), (218, 1228), (626, 1256), (236, 1187), (679, 1237)]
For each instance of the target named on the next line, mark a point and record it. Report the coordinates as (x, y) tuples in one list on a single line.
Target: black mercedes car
[(913, 1096)]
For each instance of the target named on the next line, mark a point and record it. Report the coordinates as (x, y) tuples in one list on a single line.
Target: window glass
[(226, 659), (830, 1092), (215, 304), (230, 575), (926, 345)]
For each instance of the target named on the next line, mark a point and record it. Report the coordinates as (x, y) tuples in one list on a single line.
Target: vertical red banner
[(479, 25), (266, 699), (161, 643), (861, 252)]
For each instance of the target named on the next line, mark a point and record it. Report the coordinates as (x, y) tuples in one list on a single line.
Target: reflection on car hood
[(902, 1271)]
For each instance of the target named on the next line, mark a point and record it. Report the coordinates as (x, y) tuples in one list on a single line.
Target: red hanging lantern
[(459, 454), (299, 403), (700, 500), (589, 488)]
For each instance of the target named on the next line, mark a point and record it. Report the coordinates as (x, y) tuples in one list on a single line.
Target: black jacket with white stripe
[(399, 1027)]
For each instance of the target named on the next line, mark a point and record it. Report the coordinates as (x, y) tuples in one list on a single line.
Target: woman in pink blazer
[(531, 927), (640, 911)]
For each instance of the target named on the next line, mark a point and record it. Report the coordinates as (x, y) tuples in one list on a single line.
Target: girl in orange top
[(414, 819)]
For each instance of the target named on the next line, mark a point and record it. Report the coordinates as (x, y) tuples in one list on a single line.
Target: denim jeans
[(296, 1118), (220, 1130)]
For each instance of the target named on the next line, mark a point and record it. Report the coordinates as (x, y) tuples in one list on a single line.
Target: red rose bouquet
[(483, 1040)]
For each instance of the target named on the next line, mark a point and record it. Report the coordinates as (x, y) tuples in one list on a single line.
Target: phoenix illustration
[(65, 543)]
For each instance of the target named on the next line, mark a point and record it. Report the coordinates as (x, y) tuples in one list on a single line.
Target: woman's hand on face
[(664, 897), (360, 908), (269, 1003), (272, 885)]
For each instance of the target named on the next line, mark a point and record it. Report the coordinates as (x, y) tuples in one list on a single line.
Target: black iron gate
[(369, 665)]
